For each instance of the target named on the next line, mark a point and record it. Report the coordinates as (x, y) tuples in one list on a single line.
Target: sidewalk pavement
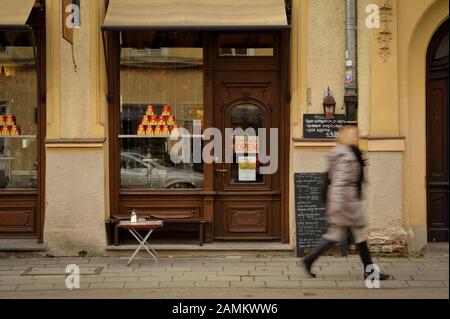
[(228, 277)]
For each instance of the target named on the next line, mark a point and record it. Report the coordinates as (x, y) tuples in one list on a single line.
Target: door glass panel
[(442, 50), (161, 83), (18, 111), (245, 167)]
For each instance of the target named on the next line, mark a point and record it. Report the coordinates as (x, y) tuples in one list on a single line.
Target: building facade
[(89, 152)]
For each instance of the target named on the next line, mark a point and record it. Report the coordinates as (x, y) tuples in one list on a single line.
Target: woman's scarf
[(359, 156)]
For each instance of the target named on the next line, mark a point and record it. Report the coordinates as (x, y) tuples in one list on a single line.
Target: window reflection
[(18, 111), (161, 93)]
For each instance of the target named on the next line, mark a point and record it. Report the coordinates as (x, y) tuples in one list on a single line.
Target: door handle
[(223, 171)]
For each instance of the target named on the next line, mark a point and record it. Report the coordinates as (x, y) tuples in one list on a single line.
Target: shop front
[(175, 74), (22, 119)]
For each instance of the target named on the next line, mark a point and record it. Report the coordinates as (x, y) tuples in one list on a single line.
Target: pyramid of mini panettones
[(157, 125)]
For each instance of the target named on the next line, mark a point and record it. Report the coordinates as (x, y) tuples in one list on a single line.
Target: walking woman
[(344, 209)]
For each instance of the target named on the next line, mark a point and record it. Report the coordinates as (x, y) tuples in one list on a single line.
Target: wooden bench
[(167, 221)]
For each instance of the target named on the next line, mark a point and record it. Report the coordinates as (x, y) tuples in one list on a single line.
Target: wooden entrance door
[(437, 136), (247, 94)]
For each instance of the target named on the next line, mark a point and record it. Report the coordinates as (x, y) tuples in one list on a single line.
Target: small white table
[(133, 228)]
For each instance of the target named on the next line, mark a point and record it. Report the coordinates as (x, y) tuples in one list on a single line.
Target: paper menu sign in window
[(247, 168), (246, 145)]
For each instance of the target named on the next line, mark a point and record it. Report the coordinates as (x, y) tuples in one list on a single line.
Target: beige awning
[(15, 13), (195, 14)]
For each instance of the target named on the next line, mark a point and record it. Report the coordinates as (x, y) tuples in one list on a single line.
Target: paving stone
[(283, 284), (192, 277), (319, 284), (234, 273), (401, 276), (177, 284), (12, 262), (212, 284), (334, 271), (392, 284), (108, 274), (42, 262), (271, 278), (49, 279), (248, 278), (142, 285), (274, 268), (293, 259), (351, 284), (317, 264), (266, 273), (445, 282), (11, 267), (248, 284), (156, 278), (120, 279), (9, 287), (62, 286), (194, 273), (119, 269), (222, 261), (223, 278), (426, 284), (256, 259), (281, 264), (178, 269), (301, 277), (4, 273), (19, 268), (89, 279), (430, 277), (109, 285), (207, 269), (256, 264), (437, 266), (341, 277), (77, 261), (35, 287), (334, 260), (16, 280)]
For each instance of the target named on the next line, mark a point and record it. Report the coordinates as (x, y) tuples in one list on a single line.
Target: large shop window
[(161, 92), (18, 111)]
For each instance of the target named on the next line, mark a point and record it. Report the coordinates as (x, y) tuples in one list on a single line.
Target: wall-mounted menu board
[(317, 126)]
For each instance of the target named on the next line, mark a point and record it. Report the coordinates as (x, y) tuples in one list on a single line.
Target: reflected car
[(138, 171)]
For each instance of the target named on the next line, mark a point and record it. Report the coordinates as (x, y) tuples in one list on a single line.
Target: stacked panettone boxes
[(8, 126), (158, 125)]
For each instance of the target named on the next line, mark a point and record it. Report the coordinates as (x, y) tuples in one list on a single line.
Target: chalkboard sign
[(317, 126), (311, 220)]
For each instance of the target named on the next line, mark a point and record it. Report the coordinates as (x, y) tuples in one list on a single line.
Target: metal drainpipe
[(351, 78)]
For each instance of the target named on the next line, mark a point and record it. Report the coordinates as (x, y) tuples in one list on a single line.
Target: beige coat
[(344, 207)]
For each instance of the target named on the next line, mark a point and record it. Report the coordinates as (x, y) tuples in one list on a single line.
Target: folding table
[(133, 228)]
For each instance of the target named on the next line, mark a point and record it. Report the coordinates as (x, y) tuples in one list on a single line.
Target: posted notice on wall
[(246, 145), (247, 168)]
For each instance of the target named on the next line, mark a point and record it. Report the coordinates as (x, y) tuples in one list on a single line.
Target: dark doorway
[(437, 136)]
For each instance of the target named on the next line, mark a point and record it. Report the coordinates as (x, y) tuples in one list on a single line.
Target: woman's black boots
[(366, 259), (310, 259)]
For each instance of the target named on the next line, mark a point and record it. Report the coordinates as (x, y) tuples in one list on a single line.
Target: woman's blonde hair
[(347, 135)]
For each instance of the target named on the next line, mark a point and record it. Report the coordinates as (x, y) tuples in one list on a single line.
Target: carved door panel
[(437, 136)]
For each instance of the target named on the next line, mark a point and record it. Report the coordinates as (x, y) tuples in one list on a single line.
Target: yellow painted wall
[(391, 99), (77, 197)]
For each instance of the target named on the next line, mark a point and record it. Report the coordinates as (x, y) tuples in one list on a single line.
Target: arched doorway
[(437, 136)]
